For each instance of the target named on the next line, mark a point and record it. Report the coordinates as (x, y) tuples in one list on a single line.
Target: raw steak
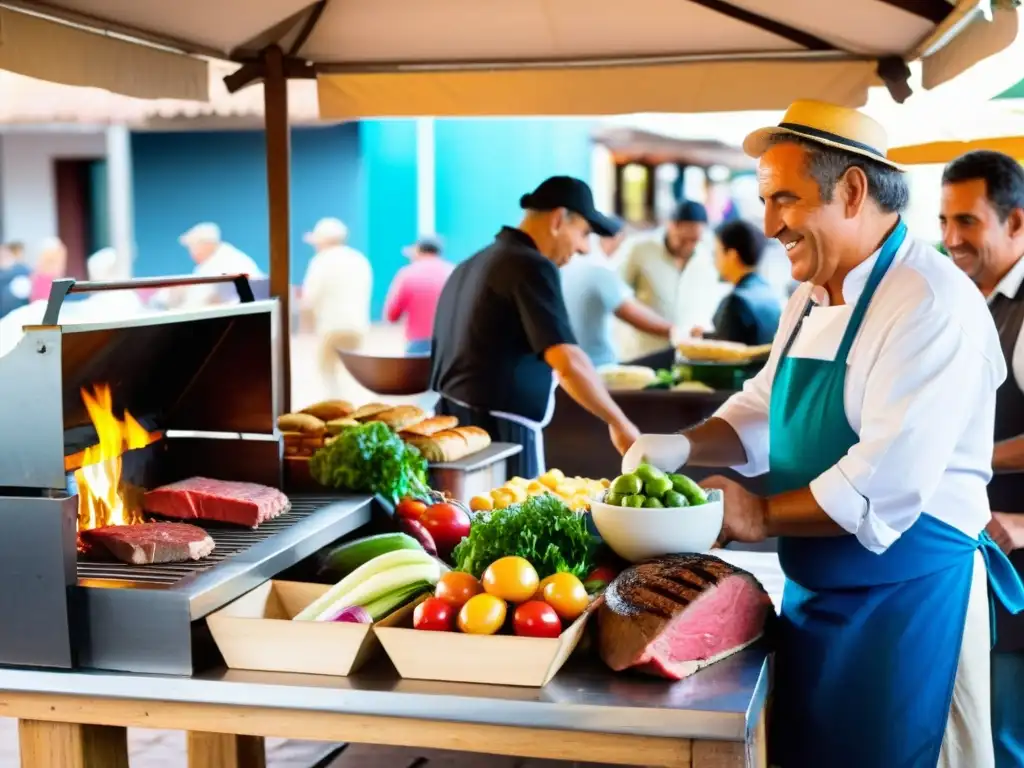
[(151, 542), (672, 615), (200, 498)]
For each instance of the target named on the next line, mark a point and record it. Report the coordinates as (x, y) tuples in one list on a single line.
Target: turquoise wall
[(364, 173)]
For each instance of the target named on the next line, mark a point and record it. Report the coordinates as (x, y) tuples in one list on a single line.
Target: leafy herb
[(371, 458), (541, 529)]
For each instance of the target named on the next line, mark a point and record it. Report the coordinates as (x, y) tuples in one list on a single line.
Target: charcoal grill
[(207, 380)]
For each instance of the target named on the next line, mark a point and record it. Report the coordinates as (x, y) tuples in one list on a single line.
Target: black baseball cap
[(690, 210), (573, 195)]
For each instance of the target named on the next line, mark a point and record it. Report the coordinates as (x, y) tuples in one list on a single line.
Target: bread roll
[(368, 411), (303, 423), (337, 426), (328, 410), (401, 417), (430, 426), (441, 447), (476, 438)]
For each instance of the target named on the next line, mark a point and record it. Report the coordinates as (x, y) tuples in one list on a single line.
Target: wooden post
[(275, 107), (225, 750), (66, 745)]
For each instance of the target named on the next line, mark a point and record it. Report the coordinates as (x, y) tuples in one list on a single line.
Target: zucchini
[(347, 557)]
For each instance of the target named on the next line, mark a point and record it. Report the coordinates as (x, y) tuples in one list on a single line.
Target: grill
[(208, 382)]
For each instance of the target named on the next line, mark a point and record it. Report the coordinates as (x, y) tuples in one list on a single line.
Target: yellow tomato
[(511, 578), (481, 504), (566, 594), (482, 615)]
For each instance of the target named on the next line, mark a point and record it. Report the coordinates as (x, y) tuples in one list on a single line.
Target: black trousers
[(529, 463)]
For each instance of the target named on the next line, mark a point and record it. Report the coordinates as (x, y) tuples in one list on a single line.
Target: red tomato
[(599, 578), (435, 615), (410, 509), (536, 619), (456, 588), (447, 525)]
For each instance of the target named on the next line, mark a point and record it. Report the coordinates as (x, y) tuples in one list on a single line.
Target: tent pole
[(275, 96)]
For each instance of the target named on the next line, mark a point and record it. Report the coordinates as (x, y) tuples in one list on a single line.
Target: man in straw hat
[(873, 419)]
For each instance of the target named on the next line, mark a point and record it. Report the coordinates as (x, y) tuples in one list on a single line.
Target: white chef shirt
[(337, 289), (1009, 286), (920, 394)]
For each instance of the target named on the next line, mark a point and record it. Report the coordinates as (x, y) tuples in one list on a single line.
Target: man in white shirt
[(212, 256), (982, 218), (673, 273), (873, 418), (336, 297)]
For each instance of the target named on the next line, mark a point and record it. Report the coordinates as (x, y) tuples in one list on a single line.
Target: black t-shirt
[(500, 310)]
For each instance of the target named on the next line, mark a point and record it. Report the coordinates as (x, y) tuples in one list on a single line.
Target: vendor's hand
[(1007, 531), (746, 515), (624, 436), (677, 335), (666, 452), (697, 332)]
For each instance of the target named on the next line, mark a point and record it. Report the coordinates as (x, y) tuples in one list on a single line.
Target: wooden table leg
[(66, 745), (225, 750)]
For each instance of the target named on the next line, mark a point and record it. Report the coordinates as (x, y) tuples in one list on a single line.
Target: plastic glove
[(666, 452)]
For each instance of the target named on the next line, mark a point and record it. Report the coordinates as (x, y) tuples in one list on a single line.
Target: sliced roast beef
[(200, 498), (151, 542), (675, 614)]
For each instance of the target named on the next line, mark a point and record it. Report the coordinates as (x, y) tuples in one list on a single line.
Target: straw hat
[(829, 125)]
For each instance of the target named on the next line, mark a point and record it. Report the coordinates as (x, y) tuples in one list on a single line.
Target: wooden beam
[(225, 750), (66, 745), (307, 27), (934, 11), (794, 35), (278, 137)]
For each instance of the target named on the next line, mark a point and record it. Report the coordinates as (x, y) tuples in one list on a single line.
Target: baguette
[(367, 411), (303, 423), (430, 426), (441, 447), (401, 417), (302, 444), (328, 410)]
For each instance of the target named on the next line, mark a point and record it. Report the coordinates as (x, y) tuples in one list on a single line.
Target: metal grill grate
[(229, 541)]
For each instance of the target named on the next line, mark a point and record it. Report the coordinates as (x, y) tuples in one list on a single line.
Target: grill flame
[(101, 499)]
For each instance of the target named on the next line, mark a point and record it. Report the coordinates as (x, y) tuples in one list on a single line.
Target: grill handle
[(61, 288)]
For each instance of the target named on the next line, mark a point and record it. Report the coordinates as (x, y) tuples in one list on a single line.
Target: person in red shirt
[(415, 290)]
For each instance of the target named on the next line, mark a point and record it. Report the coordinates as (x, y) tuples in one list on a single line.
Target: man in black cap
[(502, 328), (670, 273)]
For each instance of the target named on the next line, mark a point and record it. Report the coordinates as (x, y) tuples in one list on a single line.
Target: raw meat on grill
[(672, 615), (226, 501), (151, 542)]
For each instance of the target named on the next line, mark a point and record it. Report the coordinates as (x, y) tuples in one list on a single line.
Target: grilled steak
[(151, 542), (672, 615), (200, 498)]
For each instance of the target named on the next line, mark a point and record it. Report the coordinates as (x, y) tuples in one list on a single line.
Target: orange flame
[(100, 498)]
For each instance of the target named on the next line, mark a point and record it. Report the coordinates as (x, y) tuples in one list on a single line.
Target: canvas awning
[(549, 57)]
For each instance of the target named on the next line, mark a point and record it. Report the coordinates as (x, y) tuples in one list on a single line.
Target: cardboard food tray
[(256, 632), (490, 659)]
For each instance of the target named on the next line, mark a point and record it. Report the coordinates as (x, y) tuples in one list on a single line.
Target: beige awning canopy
[(495, 57)]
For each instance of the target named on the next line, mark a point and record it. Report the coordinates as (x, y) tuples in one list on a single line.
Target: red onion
[(354, 614)]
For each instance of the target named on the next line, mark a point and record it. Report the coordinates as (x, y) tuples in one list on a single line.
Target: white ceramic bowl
[(637, 534)]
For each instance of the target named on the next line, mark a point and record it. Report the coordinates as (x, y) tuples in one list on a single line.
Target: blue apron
[(868, 645)]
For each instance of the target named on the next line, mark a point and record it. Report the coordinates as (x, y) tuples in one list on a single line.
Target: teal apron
[(868, 645)]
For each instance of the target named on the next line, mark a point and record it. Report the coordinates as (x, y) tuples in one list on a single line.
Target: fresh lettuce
[(541, 529)]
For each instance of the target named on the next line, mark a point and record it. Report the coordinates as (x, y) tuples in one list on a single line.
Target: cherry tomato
[(567, 595), (434, 614), (536, 619), (511, 578), (447, 525), (599, 578), (410, 509), (456, 588), (482, 615)]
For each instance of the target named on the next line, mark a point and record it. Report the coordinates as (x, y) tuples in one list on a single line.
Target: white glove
[(666, 452)]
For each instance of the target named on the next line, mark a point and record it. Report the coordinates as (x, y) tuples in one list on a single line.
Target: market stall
[(75, 714)]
